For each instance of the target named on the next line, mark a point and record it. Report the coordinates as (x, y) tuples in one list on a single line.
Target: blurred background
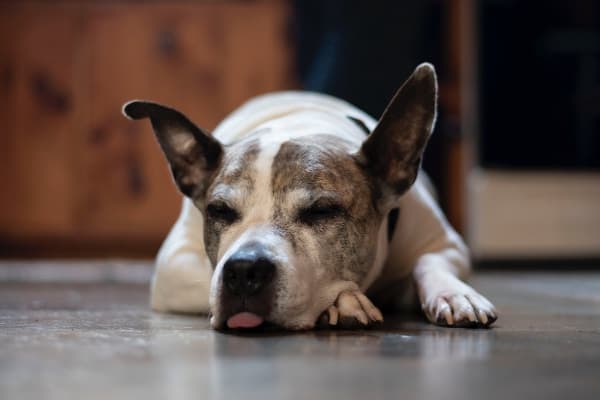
[(515, 155)]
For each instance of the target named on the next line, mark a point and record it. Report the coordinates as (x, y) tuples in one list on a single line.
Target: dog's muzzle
[(247, 287)]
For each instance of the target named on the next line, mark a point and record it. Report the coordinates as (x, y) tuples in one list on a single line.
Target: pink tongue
[(244, 320)]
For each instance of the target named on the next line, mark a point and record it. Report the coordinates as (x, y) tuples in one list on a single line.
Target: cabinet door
[(38, 61), (203, 59), (74, 170)]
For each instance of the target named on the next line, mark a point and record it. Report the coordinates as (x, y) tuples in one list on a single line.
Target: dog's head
[(290, 221)]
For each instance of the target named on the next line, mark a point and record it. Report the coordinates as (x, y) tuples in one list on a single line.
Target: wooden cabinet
[(77, 178)]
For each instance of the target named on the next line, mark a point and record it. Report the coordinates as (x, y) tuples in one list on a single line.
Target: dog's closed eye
[(320, 212), (221, 212)]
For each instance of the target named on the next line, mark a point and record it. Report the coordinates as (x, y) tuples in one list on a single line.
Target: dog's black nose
[(247, 272)]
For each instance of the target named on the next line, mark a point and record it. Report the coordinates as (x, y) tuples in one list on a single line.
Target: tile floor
[(100, 341)]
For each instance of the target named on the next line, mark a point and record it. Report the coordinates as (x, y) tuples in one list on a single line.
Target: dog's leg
[(426, 246), (445, 299), (181, 281)]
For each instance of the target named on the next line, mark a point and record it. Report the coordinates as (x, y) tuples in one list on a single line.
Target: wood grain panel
[(179, 55), (260, 62), (75, 173), (39, 54), (124, 189), (7, 106)]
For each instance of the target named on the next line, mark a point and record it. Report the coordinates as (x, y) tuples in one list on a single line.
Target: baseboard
[(83, 271), (550, 265), (534, 215)]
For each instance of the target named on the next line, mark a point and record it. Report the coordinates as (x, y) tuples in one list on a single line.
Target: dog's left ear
[(393, 151), (193, 154)]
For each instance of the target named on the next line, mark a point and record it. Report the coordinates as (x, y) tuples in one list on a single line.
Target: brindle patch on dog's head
[(324, 204)]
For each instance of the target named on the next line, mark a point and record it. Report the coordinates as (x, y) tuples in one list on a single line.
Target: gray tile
[(62, 341)]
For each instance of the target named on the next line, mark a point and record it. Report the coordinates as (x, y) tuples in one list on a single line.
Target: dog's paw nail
[(376, 316), (482, 317), (333, 315), (447, 316), (439, 312), (362, 318), (471, 316)]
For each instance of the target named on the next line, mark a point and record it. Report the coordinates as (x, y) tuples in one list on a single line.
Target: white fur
[(423, 244)]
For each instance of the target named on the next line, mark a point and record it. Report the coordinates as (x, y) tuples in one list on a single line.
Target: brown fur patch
[(323, 163)]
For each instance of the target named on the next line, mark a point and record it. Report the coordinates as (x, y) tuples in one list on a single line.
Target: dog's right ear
[(393, 151), (193, 155)]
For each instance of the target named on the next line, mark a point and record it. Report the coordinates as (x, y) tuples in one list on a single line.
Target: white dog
[(299, 205)]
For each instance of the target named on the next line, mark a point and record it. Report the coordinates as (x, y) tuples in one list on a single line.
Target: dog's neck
[(286, 117)]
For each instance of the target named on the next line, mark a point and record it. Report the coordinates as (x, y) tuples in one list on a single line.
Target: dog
[(300, 209)]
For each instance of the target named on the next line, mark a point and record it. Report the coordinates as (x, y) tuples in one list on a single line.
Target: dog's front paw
[(470, 310), (351, 310)]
